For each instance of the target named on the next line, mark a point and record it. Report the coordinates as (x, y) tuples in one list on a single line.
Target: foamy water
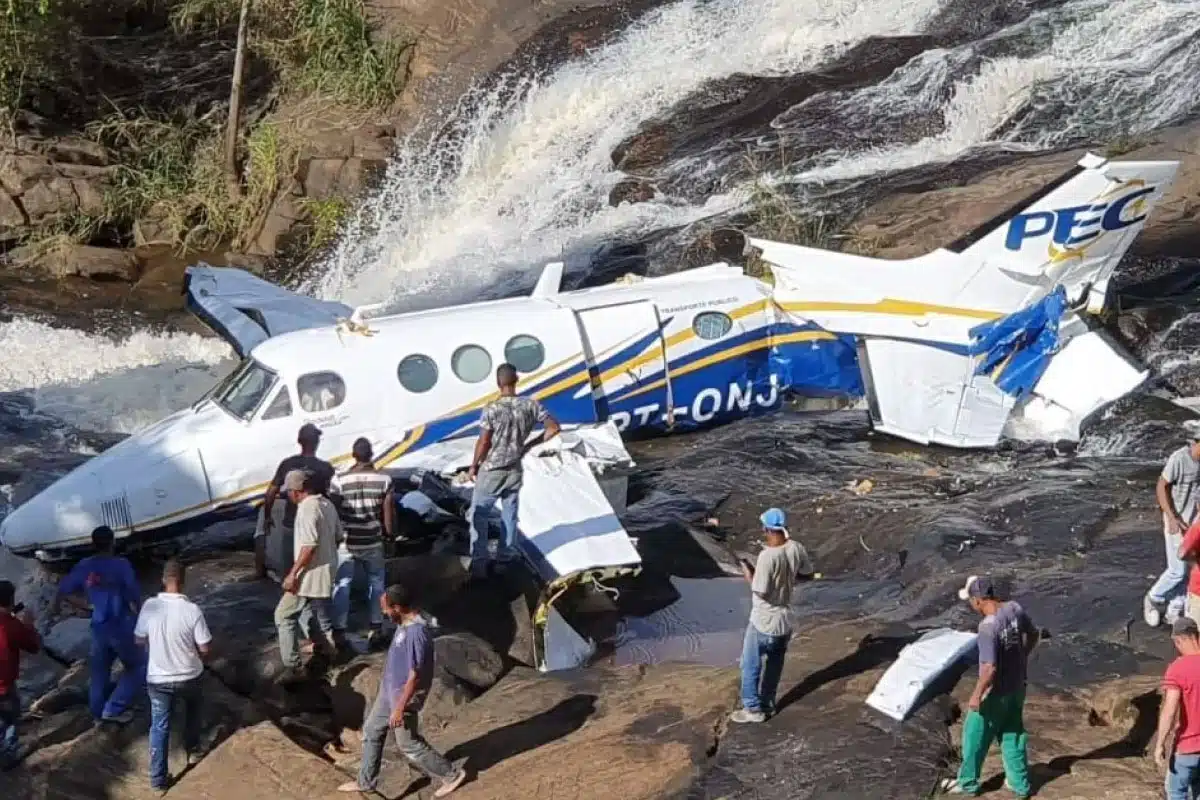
[(95, 383), (530, 174), (1109, 68)]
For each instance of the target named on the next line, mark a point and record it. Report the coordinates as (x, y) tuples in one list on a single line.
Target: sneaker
[(745, 715), (193, 759), (1009, 786), (1152, 611), (352, 786), (449, 786), (124, 718), (951, 786)]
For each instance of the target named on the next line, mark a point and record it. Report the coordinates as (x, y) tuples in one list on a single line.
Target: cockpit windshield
[(245, 389)]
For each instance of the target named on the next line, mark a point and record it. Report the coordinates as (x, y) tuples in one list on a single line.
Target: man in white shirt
[(174, 631), (308, 586)]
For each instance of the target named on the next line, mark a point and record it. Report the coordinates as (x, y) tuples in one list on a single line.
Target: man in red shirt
[(16, 634), (1189, 551), (1180, 715)]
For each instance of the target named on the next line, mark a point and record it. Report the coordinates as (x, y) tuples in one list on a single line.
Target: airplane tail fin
[(1072, 232), (951, 344)]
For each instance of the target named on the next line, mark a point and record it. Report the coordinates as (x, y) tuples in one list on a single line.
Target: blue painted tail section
[(1018, 348)]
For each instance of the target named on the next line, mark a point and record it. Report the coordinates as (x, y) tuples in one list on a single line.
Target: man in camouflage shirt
[(496, 467)]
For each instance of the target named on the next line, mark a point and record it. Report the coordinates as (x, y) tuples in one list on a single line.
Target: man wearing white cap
[(780, 564), (996, 708), (1178, 493)]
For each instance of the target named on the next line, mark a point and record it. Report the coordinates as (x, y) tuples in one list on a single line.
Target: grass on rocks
[(169, 178)]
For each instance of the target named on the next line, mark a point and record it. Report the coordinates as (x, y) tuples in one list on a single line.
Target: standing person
[(780, 564), (1177, 498), (1177, 746), (407, 676), (308, 586), (111, 588), (496, 467), (17, 634), (1189, 552), (173, 630), (366, 504), (309, 439), (1006, 638)]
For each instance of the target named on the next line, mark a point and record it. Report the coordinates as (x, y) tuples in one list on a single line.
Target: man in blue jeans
[(780, 564), (174, 632), (407, 677), (496, 468), (111, 588), (366, 505), (1177, 743)]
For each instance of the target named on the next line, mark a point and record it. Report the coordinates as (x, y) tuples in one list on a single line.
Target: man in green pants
[(1006, 638)]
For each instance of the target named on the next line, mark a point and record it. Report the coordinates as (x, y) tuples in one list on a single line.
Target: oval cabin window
[(417, 373), (712, 324), (320, 391), (471, 363), (524, 352)]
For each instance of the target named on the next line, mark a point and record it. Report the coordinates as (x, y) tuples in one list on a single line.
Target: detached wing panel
[(245, 310), (930, 394)]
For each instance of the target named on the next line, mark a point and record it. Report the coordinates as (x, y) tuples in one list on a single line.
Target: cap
[(1185, 626), (774, 518), (308, 433), (294, 480), (977, 586), (361, 449)]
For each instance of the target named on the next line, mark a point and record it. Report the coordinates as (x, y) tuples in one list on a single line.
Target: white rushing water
[(1099, 68), (534, 167), (529, 171), (99, 384)]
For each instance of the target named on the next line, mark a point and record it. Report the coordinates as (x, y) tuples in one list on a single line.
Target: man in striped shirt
[(364, 499)]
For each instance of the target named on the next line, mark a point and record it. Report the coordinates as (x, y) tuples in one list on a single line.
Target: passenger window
[(280, 407), (524, 352), (417, 373), (471, 363), (321, 391), (712, 324)]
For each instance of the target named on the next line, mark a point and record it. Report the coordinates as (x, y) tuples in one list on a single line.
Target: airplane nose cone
[(49, 520)]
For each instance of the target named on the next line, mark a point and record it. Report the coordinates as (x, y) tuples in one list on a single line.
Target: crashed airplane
[(994, 329)]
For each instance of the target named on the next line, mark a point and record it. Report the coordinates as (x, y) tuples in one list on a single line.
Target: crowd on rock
[(336, 528)]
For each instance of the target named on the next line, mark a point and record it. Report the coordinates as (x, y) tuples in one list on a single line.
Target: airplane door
[(626, 360)]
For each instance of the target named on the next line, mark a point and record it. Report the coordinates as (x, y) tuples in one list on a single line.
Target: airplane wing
[(245, 310), (991, 329)]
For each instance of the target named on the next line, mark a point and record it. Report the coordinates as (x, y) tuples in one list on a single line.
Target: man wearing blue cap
[(780, 564), (996, 709)]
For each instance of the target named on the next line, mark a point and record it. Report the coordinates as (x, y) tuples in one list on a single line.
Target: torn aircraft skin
[(994, 329)]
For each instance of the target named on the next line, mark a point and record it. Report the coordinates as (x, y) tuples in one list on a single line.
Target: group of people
[(1006, 639), (337, 524)]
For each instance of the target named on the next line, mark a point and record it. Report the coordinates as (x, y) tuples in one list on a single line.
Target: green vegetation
[(325, 219), (1124, 143), (313, 54)]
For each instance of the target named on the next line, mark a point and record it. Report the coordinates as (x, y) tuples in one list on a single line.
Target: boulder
[(259, 763), (12, 217), (324, 178), (97, 263), (631, 191), (908, 225), (470, 659), (70, 639), (49, 199), (282, 217), (76, 760), (630, 732), (356, 685)]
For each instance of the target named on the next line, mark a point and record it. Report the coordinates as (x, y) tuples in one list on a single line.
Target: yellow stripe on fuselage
[(904, 308)]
